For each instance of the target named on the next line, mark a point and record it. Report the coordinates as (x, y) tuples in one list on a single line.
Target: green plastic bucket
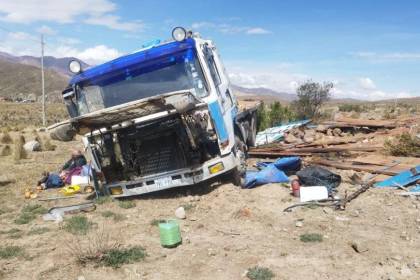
[(170, 235)]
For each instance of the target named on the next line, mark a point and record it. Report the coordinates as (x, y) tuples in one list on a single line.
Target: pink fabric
[(72, 172)]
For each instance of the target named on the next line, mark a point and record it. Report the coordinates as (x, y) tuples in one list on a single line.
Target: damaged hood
[(180, 102)]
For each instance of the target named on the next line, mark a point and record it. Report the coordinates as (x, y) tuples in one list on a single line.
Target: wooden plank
[(277, 154), (347, 166)]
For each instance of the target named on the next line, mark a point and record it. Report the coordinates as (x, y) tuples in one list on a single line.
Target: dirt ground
[(227, 231)]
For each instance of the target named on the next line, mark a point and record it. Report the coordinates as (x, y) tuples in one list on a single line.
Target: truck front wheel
[(239, 172)]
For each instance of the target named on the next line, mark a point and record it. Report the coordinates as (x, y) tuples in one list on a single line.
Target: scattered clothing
[(51, 180), (75, 161), (272, 172), (72, 172)]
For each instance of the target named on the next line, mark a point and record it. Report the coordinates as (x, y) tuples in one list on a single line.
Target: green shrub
[(273, 115), (78, 225), (116, 216), (311, 237), (103, 199), (404, 145), (119, 256), (259, 273), (25, 218), (9, 252), (350, 108), (126, 204), (156, 222), (34, 208), (39, 230)]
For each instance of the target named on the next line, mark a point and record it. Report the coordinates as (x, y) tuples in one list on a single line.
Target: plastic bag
[(318, 176)]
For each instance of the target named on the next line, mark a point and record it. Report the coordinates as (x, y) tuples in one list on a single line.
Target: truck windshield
[(180, 71)]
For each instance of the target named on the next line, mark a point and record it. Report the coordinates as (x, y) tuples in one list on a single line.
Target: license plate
[(163, 182)]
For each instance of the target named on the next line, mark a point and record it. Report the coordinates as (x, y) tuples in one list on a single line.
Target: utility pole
[(42, 82)]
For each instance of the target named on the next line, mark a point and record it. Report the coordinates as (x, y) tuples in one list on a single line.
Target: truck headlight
[(179, 34), (75, 67), (216, 168)]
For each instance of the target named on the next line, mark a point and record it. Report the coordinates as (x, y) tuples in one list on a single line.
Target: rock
[(343, 218), (321, 128), (32, 146), (329, 132), (299, 224), (319, 136), (180, 213), (310, 132), (406, 272), (397, 258), (308, 139), (81, 277), (290, 139), (337, 132), (359, 247)]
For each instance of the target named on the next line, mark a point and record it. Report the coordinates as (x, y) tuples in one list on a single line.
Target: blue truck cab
[(162, 117)]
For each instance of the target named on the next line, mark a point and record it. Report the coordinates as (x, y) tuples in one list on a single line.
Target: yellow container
[(71, 190)]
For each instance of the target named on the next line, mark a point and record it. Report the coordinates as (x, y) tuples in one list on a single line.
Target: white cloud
[(229, 28), (277, 77), (20, 43), (387, 57), (96, 12), (92, 56), (115, 22), (46, 30), (258, 31), (367, 83)]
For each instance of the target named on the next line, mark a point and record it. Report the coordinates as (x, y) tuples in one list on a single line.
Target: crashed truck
[(162, 117)]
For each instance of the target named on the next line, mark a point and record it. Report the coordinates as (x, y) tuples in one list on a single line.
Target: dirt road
[(227, 231)]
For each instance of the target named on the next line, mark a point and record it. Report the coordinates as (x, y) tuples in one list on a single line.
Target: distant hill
[(23, 81), (59, 65), (262, 94)]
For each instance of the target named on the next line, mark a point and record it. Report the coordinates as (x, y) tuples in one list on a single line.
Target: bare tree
[(311, 96)]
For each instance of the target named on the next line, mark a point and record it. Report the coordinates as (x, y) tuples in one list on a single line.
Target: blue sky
[(369, 49)]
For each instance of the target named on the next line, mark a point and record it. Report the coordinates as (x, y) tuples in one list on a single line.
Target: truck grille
[(157, 155)]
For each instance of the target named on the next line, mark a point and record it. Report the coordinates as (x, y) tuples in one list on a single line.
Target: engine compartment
[(169, 143)]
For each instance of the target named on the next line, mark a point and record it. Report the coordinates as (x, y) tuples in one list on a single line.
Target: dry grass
[(91, 247), (6, 138), (404, 145), (78, 225), (5, 151), (19, 116), (19, 152), (46, 145)]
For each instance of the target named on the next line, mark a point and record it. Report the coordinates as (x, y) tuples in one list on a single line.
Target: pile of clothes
[(75, 166)]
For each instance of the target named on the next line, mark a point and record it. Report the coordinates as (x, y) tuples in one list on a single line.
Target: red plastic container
[(295, 187)]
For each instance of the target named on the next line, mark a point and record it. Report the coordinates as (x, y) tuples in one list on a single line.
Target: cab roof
[(131, 59)]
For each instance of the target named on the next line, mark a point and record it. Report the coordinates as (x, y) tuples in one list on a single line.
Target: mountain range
[(20, 77)]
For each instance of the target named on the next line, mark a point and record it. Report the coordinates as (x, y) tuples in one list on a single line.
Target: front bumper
[(172, 179)]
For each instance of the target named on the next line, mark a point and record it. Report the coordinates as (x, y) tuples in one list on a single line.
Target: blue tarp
[(404, 178), (275, 134), (272, 172)]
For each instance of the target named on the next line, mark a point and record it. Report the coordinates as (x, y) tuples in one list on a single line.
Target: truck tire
[(252, 136), (239, 172), (63, 132)]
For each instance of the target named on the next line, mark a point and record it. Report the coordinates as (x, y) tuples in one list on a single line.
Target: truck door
[(221, 83)]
